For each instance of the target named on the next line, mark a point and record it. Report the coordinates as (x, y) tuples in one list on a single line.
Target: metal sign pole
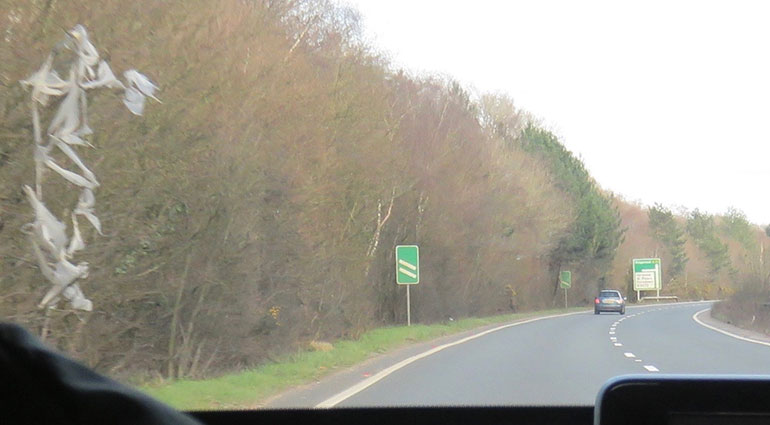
[(408, 308), (565, 297)]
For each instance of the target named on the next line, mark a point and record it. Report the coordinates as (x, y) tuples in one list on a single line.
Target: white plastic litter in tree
[(68, 130)]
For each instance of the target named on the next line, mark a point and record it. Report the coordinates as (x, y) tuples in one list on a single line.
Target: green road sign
[(647, 274), (407, 264), (565, 279)]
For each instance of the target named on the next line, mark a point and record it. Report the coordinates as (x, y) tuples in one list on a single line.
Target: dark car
[(610, 300)]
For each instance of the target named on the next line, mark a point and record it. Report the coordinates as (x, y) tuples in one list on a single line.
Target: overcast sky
[(664, 101)]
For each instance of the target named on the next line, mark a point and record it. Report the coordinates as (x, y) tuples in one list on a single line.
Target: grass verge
[(248, 388)]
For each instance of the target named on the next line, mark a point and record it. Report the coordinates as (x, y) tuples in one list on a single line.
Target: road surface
[(562, 361)]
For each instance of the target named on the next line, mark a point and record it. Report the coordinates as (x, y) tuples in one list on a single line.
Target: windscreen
[(318, 203)]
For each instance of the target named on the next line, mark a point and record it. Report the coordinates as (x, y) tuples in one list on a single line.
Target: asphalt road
[(562, 361)]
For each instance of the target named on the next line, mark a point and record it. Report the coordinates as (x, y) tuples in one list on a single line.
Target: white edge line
[(368, 382), (651, 368), (695, 317)]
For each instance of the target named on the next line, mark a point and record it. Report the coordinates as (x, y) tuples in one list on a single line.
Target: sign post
[(647, 276), (408, 272), (565, 282)]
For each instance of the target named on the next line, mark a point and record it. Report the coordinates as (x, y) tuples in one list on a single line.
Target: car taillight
[(596, 300)]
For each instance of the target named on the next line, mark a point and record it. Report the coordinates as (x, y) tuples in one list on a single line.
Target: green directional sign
[(407, 264), (647, 274), (565, 279)]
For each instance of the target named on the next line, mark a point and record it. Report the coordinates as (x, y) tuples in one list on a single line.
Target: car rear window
[(609, 294)]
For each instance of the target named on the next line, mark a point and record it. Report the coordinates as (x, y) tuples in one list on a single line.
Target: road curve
[(558, 361)]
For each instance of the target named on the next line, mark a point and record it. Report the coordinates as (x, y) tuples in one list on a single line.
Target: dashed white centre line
[(617, 344), (613, 338), (612, 332), (651, 368), (629, 355), (638, 360)]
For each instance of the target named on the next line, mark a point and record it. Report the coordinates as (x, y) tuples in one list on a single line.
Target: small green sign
[(565, 279), (407, 264)]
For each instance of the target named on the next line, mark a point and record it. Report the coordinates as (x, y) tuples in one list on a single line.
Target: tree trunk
[(175, 317)]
